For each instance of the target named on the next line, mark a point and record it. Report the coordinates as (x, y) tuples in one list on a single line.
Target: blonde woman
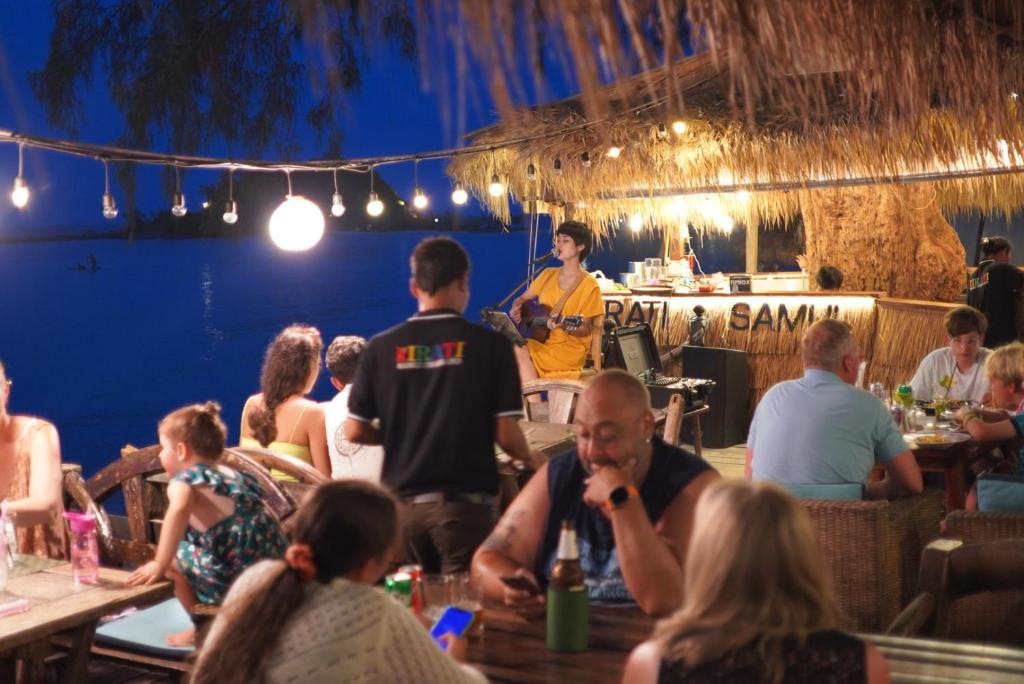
[(758, 606)]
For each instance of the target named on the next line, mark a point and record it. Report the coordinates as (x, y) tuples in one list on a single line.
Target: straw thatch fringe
[(904, 336)]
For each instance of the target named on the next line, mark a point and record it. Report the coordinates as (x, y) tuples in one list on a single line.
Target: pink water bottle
[(85, 553)]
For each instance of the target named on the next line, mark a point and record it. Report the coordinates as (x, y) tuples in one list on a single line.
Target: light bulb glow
[(743, 196), (109, 206), (20, 193), (337, 206), (459, 195), (178, 207), (679, 127), (419, 200), (636, 222), (613, 152), (230, 213), (297, 224), (495, 189), (374, 207)]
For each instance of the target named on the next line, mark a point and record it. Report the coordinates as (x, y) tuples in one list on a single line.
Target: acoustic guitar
[(533, 324)]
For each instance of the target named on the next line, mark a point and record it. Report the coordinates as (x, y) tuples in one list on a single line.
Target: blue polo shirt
[(820, 430)]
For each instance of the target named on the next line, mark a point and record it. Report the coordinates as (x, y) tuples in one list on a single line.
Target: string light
[(679, 126), (585, 159), (613, 152), (557, 166), (374, 207), (20, 193), (636, 222), (495, 189), (109, 205), (419, 199), (531, 173), (231, 208), (337, 206), (297, 224), (178, 207), (662, 130)]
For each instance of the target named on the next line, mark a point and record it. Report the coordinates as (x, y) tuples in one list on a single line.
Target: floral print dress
[(211, 560)]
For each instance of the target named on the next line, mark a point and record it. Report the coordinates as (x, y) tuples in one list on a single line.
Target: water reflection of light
[(213, 334)]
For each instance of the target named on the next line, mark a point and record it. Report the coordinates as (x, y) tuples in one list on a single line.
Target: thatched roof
[(667, 177)]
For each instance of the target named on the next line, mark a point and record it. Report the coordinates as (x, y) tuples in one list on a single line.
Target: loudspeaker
[(726, 424)]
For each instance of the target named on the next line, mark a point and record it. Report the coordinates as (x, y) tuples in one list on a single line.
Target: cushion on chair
[(1000, 493), (833, 492), (146, 630)]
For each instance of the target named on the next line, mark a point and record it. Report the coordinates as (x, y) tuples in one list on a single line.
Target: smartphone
[(520, 584), (454, 621)]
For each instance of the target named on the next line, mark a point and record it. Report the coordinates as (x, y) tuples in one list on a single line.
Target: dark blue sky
[(390, 115)]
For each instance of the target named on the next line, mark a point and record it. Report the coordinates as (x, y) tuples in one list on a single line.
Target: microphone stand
[(501, 305)]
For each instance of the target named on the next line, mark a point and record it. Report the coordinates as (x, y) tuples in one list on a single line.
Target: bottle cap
[(81, 522)]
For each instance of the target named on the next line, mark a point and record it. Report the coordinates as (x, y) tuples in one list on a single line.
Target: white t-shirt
[(970, 385), (349, 459), (346, 632)]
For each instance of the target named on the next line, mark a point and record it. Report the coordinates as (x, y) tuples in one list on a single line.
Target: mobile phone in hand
[(455, 621), (520, 583)]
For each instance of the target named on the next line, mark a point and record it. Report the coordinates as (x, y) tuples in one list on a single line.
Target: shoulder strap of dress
[(26, 432), (296, 424)]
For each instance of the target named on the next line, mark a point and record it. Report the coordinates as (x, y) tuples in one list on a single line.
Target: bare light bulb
[(557, 166), (531, 173), (679, 127), (337, 206), (109, 206), (20, 193), (662, 131), (636, 222), (613, 152), (178, 207), (230, 213), (459, 195), (374, 207), (585, 159), (419, 200), (297, 224), (495, 189)]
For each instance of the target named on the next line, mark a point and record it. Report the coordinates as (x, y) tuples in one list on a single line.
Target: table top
[(57, 603)]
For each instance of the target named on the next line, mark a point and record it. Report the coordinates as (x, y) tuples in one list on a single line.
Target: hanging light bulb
[(231, 208), (743, 196), (178, 207), (419, 198), (662, 130), (20, 193), (337, 206), (636, 222), (557, 166), (297, 224), (495, 189), (109, 205), (613, 152), (374, 207), (459, 195), (531, 173), (585, 159), (679, 126)]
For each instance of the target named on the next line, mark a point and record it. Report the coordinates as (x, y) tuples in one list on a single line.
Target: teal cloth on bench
[(836, 492), (1000, 493), (146, 630)]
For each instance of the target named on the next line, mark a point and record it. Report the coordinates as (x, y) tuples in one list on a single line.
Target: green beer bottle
[(567, 607)]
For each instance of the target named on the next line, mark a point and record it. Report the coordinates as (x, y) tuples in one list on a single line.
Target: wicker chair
[(974, 617), (872, 549)]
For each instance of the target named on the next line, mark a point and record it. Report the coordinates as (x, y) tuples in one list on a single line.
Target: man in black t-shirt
[(997, 291), (445, 391)]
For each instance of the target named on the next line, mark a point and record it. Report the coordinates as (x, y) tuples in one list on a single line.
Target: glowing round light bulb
[(679, 127), (495, 189), (20, 193), (297, 224), (459, 196), (636, 222), (419, 200), (613, 152), (725, 223), (743, 196), (230, 213), (109, 206), (374, 207), (337, 206), (178, 207)]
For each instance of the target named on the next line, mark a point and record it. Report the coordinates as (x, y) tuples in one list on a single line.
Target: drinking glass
[(652, 270), (465, 594), (436, 595)]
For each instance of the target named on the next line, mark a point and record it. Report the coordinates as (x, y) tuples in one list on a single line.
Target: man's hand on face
[(605, 479)]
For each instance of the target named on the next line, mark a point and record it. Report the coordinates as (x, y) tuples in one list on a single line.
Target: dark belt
[(452, 497)]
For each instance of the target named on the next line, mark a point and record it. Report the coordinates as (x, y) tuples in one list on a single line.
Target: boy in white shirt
[(956, 371), (348, 459)]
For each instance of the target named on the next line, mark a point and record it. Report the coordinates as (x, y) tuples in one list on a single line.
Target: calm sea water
[(167, 322)]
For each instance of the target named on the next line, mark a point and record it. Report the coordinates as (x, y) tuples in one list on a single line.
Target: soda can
[(399, 586), (415, 573)]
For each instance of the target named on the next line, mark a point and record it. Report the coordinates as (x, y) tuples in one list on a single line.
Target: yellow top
[(563, 355), (298, 451)]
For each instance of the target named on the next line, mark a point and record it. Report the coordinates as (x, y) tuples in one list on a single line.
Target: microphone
[(544, 257)]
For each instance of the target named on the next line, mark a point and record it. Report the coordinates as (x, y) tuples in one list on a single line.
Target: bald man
[(820, 429), (629, 495)]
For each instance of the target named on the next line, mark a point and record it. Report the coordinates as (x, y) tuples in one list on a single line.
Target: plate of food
[(937, 439), (929, 406), (662, 290)]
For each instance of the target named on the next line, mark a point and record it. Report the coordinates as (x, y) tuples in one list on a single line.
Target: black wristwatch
[(619, 496)]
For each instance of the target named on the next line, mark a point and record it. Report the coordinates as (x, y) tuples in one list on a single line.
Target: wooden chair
[(673, 420), (951, 572), (872, 550), (307, 477), (562, 398)]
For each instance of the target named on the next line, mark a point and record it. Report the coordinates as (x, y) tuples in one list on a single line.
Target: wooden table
[(57, 604), (953, 462)]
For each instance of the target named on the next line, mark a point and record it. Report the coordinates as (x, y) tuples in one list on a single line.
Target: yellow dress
[(563, 355), (298, 451)]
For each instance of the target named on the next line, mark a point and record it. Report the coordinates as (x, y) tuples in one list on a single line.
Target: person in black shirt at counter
[(445, 391), (996, 290)]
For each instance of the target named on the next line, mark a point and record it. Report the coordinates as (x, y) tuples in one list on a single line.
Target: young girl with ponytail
[(216, 523), (316, 617)]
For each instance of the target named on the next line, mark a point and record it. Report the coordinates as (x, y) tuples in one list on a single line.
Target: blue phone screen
[(454, 620)]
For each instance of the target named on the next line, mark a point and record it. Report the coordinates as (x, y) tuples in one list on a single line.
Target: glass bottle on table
[(567, 608)]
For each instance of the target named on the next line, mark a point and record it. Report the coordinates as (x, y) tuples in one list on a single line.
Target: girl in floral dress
[(216, 524)]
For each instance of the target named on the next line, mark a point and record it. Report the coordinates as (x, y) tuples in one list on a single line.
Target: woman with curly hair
[(280, 417)]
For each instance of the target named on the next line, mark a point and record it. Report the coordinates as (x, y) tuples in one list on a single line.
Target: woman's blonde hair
[(753, 573), (1006, 364)]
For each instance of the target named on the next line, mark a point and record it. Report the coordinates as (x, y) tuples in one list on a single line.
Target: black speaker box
[(726, 424)]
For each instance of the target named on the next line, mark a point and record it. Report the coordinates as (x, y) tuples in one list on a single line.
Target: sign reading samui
[(429, 356), (740, 316)]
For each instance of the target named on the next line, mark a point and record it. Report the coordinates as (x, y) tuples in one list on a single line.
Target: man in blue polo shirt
[(821, 429)]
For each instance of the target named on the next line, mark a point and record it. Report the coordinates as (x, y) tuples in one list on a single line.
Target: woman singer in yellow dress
[(565, 351)]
